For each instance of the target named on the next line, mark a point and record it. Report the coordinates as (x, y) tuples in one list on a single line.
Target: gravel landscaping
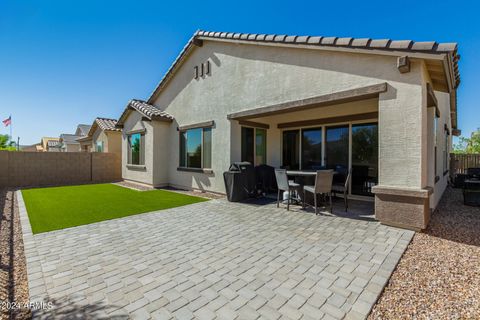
[(438, 276), (13, 275)]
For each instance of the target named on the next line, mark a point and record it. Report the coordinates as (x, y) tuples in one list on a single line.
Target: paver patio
[(213, 260)]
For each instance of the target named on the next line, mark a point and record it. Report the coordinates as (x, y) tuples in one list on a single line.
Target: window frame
[(98, 144), (184, 166), (254, 147), (141, 152)]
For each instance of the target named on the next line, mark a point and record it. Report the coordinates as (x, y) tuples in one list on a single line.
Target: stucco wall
[(98, 136), (71, 147), (249, 76), (161, 152), (114, 142), (439, 187)]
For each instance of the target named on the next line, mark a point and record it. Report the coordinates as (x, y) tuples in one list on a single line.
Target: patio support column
[(402, 195)]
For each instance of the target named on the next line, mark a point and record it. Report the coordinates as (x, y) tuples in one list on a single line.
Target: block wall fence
[(25, 169)]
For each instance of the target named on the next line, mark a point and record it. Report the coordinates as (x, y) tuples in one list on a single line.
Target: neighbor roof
[(69, 138), (336, 43), (83, 129), (104, 124), (147, 110)]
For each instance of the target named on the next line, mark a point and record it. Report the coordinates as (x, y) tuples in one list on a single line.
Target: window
[(100, 146), (136, 149), (312, 149), (196, 148), (291, 149), (254, 145)]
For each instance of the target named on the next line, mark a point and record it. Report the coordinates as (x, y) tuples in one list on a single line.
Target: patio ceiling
[(339, 97)]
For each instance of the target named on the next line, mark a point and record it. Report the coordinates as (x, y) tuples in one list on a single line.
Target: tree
[(5, 144), (468, 145)]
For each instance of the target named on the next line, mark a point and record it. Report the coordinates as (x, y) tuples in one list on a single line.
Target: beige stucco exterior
[(112, 141), (70, 147), (249, 76)]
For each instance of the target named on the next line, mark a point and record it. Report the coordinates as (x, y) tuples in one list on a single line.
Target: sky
[(66, 62)]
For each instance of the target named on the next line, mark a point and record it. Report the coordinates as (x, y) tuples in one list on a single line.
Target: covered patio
[(336, 131)]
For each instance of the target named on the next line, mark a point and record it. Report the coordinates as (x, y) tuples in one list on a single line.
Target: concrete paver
[(214, 259)]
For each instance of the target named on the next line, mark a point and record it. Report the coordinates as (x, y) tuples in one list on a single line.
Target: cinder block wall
[(22, 169)]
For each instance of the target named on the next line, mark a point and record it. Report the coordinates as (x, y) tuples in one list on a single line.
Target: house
[(82, 130), (386, 109), (69, 142), (102, 136), (49, 144)]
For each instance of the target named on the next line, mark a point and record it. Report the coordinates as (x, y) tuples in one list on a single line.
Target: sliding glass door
[(254, 145), (248, 144), (364, 158), (336, 148), (312, 149), (291, 150), (260, 146)]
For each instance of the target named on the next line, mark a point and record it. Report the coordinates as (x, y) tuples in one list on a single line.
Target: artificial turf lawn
[(63, 207)]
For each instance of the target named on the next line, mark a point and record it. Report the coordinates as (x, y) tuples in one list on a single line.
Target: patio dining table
[(303, 175)]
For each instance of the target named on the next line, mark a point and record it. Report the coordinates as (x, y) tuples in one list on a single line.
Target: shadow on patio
[(357, 209), (65, 308)]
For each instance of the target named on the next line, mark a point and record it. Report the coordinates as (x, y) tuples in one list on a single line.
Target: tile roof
[(148, 110), (107, 124), (429, 47), (366, 43), (69, 138)]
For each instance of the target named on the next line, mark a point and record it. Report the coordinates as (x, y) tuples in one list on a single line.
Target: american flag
[(7, 121)]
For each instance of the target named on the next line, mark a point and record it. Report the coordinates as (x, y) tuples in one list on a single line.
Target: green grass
[(64, 207)]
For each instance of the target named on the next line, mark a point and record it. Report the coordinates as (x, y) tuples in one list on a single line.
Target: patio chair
[(284, 185), (343, 188), (323, 185)]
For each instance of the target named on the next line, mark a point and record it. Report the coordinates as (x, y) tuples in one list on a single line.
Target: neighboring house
[(50, 144), (387, 109), (102, 136), (69, 143)]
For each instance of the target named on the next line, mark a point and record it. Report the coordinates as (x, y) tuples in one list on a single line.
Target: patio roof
[(329, 99)]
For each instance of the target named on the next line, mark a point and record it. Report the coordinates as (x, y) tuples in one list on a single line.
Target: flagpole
[(11, 136)]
